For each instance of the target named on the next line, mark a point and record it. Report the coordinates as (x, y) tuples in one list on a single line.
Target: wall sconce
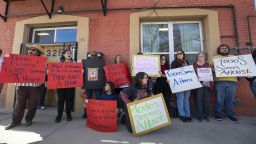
[(60, 10)]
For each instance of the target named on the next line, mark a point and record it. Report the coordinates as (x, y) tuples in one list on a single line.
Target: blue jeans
[(97, 93), (183, 103), (253, 88), (225, 93)]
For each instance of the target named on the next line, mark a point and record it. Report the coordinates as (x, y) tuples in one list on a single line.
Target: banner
[(233, 66), (118, 74), (149, 64), (182, 79), (23, 69), (148, 114), (65, 75), (102, 115), (204, 74)]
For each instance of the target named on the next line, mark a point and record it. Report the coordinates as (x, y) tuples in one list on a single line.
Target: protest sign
[(94, 77), (204, 74), (101, 115), (23, 69), (182, 79), (65, 75), (148, 114), (235, 66), (149, 64), (118, 74)]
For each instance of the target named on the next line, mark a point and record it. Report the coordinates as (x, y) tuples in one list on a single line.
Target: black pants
[(43, 90), (65, 95), (202, 102), (127, 120)]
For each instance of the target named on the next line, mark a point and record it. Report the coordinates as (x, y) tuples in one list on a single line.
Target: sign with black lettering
[(101, 115), (65, 75), (182, 79), (23, 69), (148, 114), (238, 66)]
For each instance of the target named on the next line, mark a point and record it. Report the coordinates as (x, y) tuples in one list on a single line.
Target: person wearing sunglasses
[(182, 97)]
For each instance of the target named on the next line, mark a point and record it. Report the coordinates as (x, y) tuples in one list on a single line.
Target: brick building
[(127, 27)]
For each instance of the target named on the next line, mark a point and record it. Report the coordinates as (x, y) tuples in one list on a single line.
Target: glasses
[(163, 59), (179, 53), (146, 78)]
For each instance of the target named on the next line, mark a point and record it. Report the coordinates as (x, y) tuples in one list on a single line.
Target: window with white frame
[(54, 35), (166, 38)]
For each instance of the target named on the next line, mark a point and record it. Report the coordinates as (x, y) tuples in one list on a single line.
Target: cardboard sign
[(94, 77), (23, 69), (118, 74), (235, 66), (148, 114), (101, 115), (65, 75), (204, 74), (182, 79), (149, 64)]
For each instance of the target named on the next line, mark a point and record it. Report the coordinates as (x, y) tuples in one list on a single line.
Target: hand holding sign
[(23, 69), (233, 66), (182, 79), (148, 114)]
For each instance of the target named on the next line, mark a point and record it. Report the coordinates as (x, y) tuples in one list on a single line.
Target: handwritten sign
[(101, 115), (148, 114), (118, 74), (204, 74), (182, 79), (23, 69), (65, 75), (149, 64), (242, 65)]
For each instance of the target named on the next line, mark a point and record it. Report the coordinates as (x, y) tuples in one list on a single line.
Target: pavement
[(45, 131)]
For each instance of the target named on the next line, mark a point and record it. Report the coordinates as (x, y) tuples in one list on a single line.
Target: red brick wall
[(110, 34)]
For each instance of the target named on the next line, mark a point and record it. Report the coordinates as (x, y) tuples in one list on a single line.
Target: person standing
[(225, 89), (162, 86), (1, 62), (65, 95), (252, 80), (26, 92), (182, 97), (202, 97)]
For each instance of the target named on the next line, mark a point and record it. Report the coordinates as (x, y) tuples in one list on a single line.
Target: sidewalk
[(45, 131)]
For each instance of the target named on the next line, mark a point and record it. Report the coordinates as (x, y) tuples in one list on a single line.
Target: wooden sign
[(23, 69), (148, 114), (118, 74), (182, 79), (235, 66), (102, 115), (65, 75), (149, 64)]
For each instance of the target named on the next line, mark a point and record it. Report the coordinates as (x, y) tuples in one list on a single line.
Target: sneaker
[(28, 123), (11, 125), (42, 108), (218, 118), (189, 119), (199, 119), (232, 118)]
